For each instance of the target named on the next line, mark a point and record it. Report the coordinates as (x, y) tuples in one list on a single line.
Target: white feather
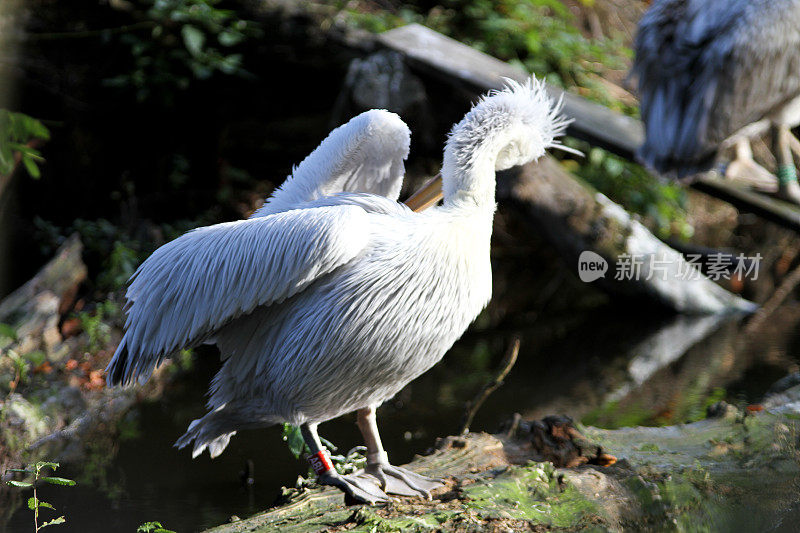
[(364, 155)]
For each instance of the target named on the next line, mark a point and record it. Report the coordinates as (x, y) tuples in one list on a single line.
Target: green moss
[(612, 416), (368, 520), (532, 492), (690, 406), (312, 519)]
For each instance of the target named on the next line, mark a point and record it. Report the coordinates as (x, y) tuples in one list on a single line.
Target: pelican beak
[(427, 196)]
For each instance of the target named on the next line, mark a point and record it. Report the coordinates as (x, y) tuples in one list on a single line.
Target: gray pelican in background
[(333, 296), (716, 73)]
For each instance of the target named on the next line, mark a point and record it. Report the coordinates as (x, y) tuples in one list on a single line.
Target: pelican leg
[(361, 488), (794, 144), (393, 479), (788, 188), (744, 168)]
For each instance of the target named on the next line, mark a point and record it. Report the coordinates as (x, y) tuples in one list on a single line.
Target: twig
[(512, 430), (505, 367), (788, 284), (136, 26)]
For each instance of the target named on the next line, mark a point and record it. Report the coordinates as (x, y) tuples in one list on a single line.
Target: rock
[(556, 440), (782, 386), (722, 410)]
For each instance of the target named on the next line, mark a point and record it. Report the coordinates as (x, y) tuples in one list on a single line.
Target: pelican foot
[(748, 172), (396, 480), (358, 487)]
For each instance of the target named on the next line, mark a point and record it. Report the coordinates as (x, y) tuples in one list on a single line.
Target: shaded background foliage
[(152, 135)]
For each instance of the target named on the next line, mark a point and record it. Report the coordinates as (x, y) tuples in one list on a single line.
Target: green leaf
[(46, 464), (193, 39), (230, 64), (230, 38), (22, 484), (6, 159), (54, 521), (45, 505), (38, 130), (36, 357), (294, 439), (59, 481), (153, 527), (19, 470), (31, 503)]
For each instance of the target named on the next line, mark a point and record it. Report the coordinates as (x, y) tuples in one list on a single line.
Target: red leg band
[(320, 462)]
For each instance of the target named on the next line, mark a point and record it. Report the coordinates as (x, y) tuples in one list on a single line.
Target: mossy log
[(739, 471)]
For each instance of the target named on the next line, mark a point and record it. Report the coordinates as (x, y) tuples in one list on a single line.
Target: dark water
[(607, 366)]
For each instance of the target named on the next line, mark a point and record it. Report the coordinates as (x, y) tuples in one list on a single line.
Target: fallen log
[(575, 218), (736, 471)]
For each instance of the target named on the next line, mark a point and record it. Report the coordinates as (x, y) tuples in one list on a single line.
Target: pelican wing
[(706, 68), (199, 282), (363, 156)]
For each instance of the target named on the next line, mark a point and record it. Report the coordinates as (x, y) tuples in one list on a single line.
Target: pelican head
[(506, 128)]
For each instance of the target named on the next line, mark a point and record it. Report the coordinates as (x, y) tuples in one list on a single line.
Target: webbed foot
[(396, 480), (359, 487)]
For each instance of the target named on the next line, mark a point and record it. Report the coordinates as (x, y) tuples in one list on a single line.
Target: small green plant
[(97, 324), (153, 527), (16, 133), (539, 35), (8, 335), (22, 365), (107, 245), (344, 464), (190, 39), (20, 369), (119, 266), (662, 204), (294, 439), (34, 503), (353, 460)]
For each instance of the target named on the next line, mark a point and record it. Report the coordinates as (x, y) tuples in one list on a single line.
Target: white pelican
[(712, 73), (333, 296)]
